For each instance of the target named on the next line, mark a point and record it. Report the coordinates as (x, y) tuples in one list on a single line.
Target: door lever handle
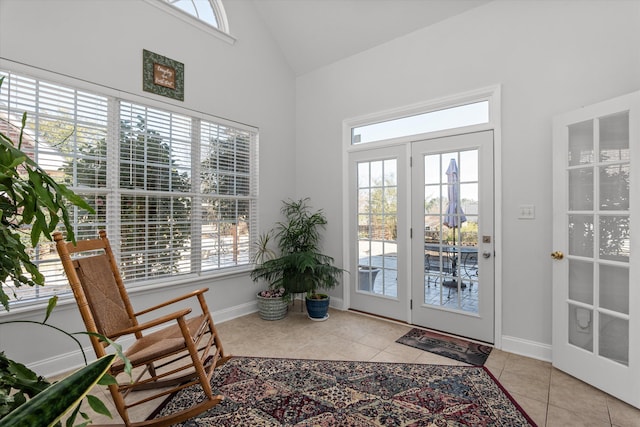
[(486, 254), (557, 255)]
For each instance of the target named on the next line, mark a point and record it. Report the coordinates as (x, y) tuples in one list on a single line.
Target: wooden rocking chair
[(184, 353)]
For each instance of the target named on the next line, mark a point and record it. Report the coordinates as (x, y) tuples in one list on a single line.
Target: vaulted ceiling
[(315, 33)]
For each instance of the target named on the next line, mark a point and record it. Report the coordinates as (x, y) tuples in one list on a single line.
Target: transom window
[(177, 194), (441, 119)]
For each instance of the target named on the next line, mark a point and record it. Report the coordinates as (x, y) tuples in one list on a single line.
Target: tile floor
[(549, 396)]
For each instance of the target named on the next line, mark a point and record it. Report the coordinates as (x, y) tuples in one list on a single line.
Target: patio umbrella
[(454, 217)]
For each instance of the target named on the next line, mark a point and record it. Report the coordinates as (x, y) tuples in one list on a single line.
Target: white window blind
[(177, 194), (62, 127)]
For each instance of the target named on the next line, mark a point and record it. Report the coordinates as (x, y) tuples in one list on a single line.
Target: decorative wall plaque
[(162, 75)]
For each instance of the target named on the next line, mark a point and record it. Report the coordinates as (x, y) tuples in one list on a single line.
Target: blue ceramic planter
[(318, 309)]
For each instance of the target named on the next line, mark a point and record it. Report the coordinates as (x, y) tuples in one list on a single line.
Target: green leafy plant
[(300, 266), (49, 405), (19, 385)]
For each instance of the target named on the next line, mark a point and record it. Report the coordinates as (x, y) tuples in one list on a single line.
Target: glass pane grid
[(599, 236), (377, 227), (451, 230)]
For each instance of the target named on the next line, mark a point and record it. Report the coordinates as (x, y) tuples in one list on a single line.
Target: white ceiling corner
[(315, 33)]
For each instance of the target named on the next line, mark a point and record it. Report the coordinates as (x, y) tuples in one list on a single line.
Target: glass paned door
[(378, 227), (593, 276), (380, 232), (452, 245), (598, 233), (451, 229)]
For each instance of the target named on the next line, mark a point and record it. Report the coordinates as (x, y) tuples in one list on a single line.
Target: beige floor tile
[(622, 414), (401, 349), (527, 367), (496, 361), (536, 388), (536, 409), (383, 356), (560, 417), (575, 396)]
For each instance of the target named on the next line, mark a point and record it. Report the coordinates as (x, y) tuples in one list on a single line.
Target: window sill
[(66, 301)]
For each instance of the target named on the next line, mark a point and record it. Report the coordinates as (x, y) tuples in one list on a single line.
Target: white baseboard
[(231, 313), (67, 362), (527, 348)]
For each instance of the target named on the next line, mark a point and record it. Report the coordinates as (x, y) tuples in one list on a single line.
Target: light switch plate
[(526, 212)]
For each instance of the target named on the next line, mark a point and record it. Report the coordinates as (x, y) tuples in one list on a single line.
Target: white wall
[(548, 57), (101, 41)]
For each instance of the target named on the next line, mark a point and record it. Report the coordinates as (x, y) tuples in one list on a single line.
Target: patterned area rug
[(288, 392), (453, 348)]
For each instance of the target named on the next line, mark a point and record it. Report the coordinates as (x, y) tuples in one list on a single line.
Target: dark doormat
[(453, 348)]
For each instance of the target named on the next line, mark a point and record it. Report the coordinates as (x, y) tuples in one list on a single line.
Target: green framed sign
[(162, 75)]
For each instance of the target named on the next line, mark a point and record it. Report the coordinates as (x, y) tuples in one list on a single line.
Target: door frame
[(492, 94)]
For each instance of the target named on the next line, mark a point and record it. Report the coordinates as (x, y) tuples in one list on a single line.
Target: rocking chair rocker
[(182, 354)]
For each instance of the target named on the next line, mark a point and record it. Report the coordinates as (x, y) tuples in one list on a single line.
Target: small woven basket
[(272, 308)]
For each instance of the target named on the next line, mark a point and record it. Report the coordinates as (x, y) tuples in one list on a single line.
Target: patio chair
[(436, 267), (185, 352)]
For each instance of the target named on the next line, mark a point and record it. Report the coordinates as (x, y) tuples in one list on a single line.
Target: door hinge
[(411, 304), (410, 161), (411, 233)]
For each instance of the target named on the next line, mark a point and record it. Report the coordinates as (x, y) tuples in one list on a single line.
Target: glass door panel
[(595, 285), (451, 229), (377, 227), (605, 248), (379, 236), (452, 222)]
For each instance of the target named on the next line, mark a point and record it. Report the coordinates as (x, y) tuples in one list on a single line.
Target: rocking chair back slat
[(101, 290)]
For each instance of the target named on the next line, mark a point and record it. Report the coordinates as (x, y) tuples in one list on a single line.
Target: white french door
[(596, 322), (378, 262), (452, 246), (411, 259)]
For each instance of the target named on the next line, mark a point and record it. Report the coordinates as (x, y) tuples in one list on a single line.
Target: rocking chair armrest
[(152, 323), (172, 301)]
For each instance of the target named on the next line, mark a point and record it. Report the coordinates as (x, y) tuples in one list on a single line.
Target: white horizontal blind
[(226, 202), (177, 194), (65, 134), (155, 192)]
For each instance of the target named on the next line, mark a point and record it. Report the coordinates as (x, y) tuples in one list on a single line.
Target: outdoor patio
[(437, 288)]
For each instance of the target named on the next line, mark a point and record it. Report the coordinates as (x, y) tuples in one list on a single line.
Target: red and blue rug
[(451, 347), (293, 392)]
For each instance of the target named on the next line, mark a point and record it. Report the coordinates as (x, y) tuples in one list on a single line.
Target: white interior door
[(378, 279), (452, 238), (595, 275)]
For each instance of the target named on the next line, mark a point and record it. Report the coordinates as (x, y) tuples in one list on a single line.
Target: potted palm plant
[(273, 302), (300, 267)]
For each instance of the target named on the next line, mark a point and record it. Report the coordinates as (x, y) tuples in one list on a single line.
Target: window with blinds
[(177, 194)]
